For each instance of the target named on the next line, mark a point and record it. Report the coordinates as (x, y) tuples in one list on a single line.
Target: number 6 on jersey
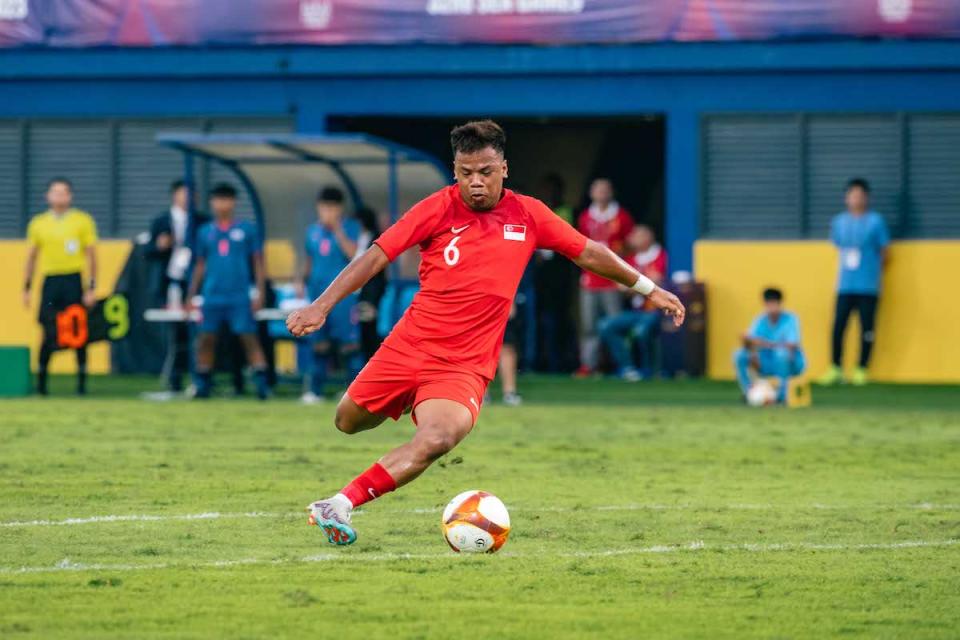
[(451, 254)]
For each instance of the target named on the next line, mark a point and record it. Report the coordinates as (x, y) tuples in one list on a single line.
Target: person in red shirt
[(640, 322), (475, 239), (608, 224)]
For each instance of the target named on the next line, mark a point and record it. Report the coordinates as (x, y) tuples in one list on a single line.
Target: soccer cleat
[(583, 372), (859, 377), (311, 398), (834, 375), (630, 374), (512, 399), (333, 516)]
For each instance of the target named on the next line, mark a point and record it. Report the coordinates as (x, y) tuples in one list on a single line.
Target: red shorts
[(394, 381)]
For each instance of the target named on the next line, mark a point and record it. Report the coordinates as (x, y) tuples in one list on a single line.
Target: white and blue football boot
[(333, 516)]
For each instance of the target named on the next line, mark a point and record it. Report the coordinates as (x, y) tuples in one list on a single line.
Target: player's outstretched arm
[(355, 275), (604, 262)]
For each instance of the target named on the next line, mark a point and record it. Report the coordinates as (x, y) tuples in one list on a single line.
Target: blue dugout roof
[(282, 173)]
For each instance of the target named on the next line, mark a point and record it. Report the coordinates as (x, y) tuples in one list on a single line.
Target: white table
[(181, 315)]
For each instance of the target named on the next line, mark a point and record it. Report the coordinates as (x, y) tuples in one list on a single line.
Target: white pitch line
[(66, 565), (216, 515), (210, 515)]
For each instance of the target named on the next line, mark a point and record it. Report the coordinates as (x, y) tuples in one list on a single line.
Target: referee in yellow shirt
[(64, 239)]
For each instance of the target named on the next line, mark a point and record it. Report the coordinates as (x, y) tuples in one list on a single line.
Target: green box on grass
[(14, 371)]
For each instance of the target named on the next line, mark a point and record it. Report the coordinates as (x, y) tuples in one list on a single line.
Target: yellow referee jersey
[(62, 240)]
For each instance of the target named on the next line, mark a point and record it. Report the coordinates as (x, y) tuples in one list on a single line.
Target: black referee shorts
[(59, 292)]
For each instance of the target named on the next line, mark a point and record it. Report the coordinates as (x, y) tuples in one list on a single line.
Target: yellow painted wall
[(280, 260), (18, 326), (918, 324)]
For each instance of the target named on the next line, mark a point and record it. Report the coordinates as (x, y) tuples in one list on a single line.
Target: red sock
[(369, 485)]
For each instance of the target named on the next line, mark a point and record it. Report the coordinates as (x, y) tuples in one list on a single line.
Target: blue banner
[(139, 23)]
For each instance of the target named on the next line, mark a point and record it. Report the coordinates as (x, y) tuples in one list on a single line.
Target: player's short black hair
[(59, 180), (177, 185), (223, 190), (476, 135), (772, 294), (858, 182), (330, 194)]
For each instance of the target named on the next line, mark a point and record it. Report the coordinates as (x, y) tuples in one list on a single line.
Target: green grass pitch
[(639, 511)]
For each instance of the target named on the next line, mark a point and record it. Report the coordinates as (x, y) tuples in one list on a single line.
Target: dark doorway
[(628, 150)]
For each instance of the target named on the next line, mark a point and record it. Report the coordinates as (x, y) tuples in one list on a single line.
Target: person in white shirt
[(171, 238)]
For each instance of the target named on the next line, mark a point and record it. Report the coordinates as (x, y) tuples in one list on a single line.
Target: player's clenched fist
[(306, 320), (670, 304)]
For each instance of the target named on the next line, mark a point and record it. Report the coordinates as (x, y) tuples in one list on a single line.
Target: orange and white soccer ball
[(475, 521)]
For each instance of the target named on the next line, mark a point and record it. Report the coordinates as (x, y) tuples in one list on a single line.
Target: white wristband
[(644, 285)]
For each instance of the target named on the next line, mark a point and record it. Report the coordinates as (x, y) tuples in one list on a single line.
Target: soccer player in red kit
[(475, 239)]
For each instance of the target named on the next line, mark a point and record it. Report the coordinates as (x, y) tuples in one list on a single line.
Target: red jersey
[(470, 265), (608, 227), (652, 262)]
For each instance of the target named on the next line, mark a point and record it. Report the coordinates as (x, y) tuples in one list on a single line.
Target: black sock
[(43, 366), (204, 384), (260, 381), (82, 370)]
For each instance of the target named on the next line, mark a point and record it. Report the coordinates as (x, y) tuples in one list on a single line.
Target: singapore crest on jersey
[(515, 232)]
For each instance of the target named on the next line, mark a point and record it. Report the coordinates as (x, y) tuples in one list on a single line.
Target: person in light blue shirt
[(862, 238), (229, 257), (330, 244), (771, 347)]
